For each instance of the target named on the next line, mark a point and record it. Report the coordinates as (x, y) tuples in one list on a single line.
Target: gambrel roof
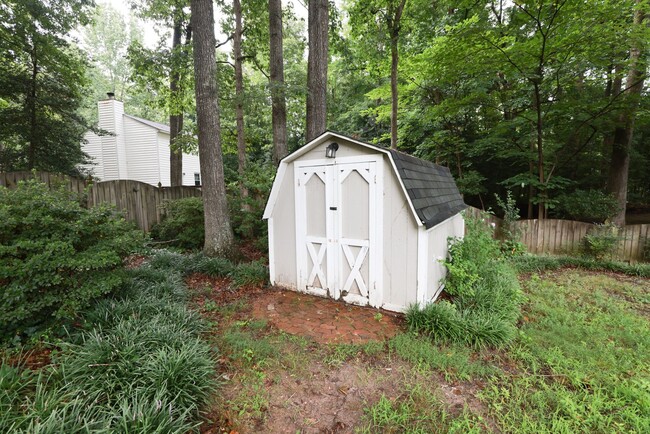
[(430, 189)]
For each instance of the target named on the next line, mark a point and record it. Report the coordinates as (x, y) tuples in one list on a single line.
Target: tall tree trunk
[(620, 161), (218, 231), (31, 105), (239, 103), (175, 118), (276, 66), (318, 20), (539, 141), (612, 90), (394, 27)]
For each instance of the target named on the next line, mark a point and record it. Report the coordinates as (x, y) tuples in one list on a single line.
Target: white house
[(368, 225), (137, 150)]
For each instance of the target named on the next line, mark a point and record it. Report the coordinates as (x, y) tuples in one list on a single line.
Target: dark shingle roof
[(157, 125), (430, 187)]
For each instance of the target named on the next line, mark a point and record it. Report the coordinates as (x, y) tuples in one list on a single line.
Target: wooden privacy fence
[(565, 236), (140, 202)]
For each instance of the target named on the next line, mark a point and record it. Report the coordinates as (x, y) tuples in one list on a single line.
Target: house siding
[(93, 148), (113, 152), (142, 152), (137, 149), (191, 165)]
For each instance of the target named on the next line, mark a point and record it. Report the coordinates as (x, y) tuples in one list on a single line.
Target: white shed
[(367, 225)]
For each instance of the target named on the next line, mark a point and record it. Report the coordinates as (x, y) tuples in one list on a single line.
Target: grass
[(577, 363), (534, 264), (582, 360)]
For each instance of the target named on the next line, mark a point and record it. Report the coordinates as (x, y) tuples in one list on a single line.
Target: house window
[(197, 179)]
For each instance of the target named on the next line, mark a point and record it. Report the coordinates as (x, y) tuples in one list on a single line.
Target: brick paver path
[(325, 320)]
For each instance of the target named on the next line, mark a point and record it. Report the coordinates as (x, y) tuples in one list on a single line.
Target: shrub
[(601, 242), (55, 256), (509, 233), (591, 206), (246, 212), (468, 256), (182, 224), (485, 294)]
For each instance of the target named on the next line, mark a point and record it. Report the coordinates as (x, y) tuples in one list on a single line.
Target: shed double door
[(337, 215)]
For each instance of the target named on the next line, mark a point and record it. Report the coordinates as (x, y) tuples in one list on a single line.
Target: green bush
[(509, 234), (182, 224), (55, 256), (485, 294), (591, 206), (601, 242), (246, 212)]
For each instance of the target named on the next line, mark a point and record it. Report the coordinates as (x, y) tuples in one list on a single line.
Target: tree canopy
[(543, 98)]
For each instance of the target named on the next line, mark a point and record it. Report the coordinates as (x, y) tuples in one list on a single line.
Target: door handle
[(332, 208)]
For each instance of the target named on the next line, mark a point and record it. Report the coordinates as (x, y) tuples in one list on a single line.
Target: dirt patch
[(34, 359), (134, 261), (322, 399)]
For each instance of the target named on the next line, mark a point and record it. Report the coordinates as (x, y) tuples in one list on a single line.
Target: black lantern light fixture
[(330, 151)]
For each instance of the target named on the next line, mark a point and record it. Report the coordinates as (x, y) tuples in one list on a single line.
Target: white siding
[(191, 165), (142, 152), (437, 251), (110, 119), (164, 154), (400, 245), (93, 147), (346, 149), (283, 233)]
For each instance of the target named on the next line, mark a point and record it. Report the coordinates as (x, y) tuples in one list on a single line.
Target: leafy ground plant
[(141, 366), (484, 290)]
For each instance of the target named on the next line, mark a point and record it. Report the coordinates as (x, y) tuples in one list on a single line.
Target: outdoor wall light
[(330, 151)]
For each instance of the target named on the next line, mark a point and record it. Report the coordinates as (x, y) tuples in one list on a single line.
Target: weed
[(454, 360), (244, 346), (485, 292), (253, 273), (601, 242), (337, 354)]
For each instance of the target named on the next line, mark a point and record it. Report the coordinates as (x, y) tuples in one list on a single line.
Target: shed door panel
[(336, 209), (313, 250), (356, 191)]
